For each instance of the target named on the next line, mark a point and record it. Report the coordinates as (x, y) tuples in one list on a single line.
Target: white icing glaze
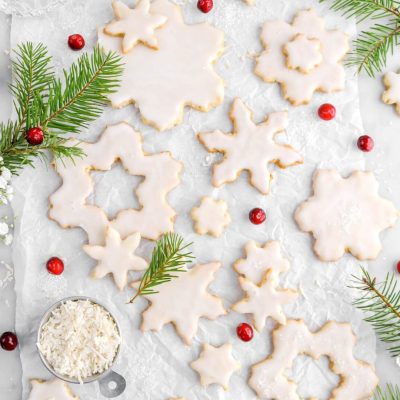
[(118, 142), (346, 214), (50, 390), (298, 87), (250, 148), (116, 257), (183, 301), (179, 74), (211, 217), (261, 259), (135, 25), (335, 340), (303, 53), (216, 365), (264, 300), (391, 95)]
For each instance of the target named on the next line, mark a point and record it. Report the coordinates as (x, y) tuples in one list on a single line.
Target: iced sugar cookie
[(116, 257), (334, 340), (183, 301), (303, 57), (211, 217), (260, 259), (391, 95), (135, 25), (346, 215), (250, 148), (48, 390), (216, 365), (69, 207), (161, 83), (264, 300)]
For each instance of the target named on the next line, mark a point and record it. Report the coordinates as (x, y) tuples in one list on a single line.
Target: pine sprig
[(169, 257), (381, 302), (371, 48), (57, 106), (391, 392)]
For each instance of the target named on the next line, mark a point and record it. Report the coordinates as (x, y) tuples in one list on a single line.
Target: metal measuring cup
[(110, 383)]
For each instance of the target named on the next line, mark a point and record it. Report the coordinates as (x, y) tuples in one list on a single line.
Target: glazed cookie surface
[(334, 340), (210, 217), (183, 301), (116, 257), (391, 95), (346, 215), (250, 148), (161, 82), (135, 25), (216, 365), (303, 57), (69, 207), (48, 390)]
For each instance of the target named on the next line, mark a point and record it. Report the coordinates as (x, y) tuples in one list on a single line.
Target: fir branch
[(371, 48), (391, 392), (169, 257), (56, 106), (381, 302)]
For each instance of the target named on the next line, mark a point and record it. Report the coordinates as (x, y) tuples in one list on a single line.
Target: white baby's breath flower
[(8, 239), (3, 182), (4, 228), (6, 174)]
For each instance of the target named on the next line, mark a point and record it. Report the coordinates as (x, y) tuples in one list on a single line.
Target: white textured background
[(156, 365)]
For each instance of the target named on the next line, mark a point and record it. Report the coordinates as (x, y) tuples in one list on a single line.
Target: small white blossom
[(8, 239), (3, 182), (6, 174), (4, 228)]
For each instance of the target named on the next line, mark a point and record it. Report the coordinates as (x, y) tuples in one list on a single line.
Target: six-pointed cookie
[(250, 148), (216, 365), (116, 257), (391, 95), (48, 390), (135, 25)]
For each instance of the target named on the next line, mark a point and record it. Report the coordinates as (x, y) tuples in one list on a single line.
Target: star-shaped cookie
[(264, 300), (116, 257), (346, 215), (391, 95), (48, 390), (250, 148), (216, 365), (135, 25), (261, 259), (183, 301), (211, 217)]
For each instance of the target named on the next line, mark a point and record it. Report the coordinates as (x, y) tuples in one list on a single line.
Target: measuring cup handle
[(112, 385)]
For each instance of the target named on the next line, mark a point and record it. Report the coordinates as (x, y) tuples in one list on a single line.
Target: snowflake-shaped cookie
[(264, 300), (216, 365), (334, 340), (68, 205), (183, 301), (135, 25), (303, 57), (47, 390), (261, 259), (116, 257), (181, 73), (211, 216), (391, 95), (250, 148), (346, 215)]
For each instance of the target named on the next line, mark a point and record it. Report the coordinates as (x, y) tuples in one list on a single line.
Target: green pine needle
[(381, 302), (371, 48), (169, 257), (58, 106), (391, 392)]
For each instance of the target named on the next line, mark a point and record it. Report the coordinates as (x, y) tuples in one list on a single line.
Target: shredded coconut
[(79, 340)]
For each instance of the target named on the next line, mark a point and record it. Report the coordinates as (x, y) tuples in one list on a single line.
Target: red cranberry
[(398, 267), (365, 143), (35, 136), (327, 111), (257, 216), (8, 341), (245, 332), (205, 6), (76, 42), (55, 266)]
